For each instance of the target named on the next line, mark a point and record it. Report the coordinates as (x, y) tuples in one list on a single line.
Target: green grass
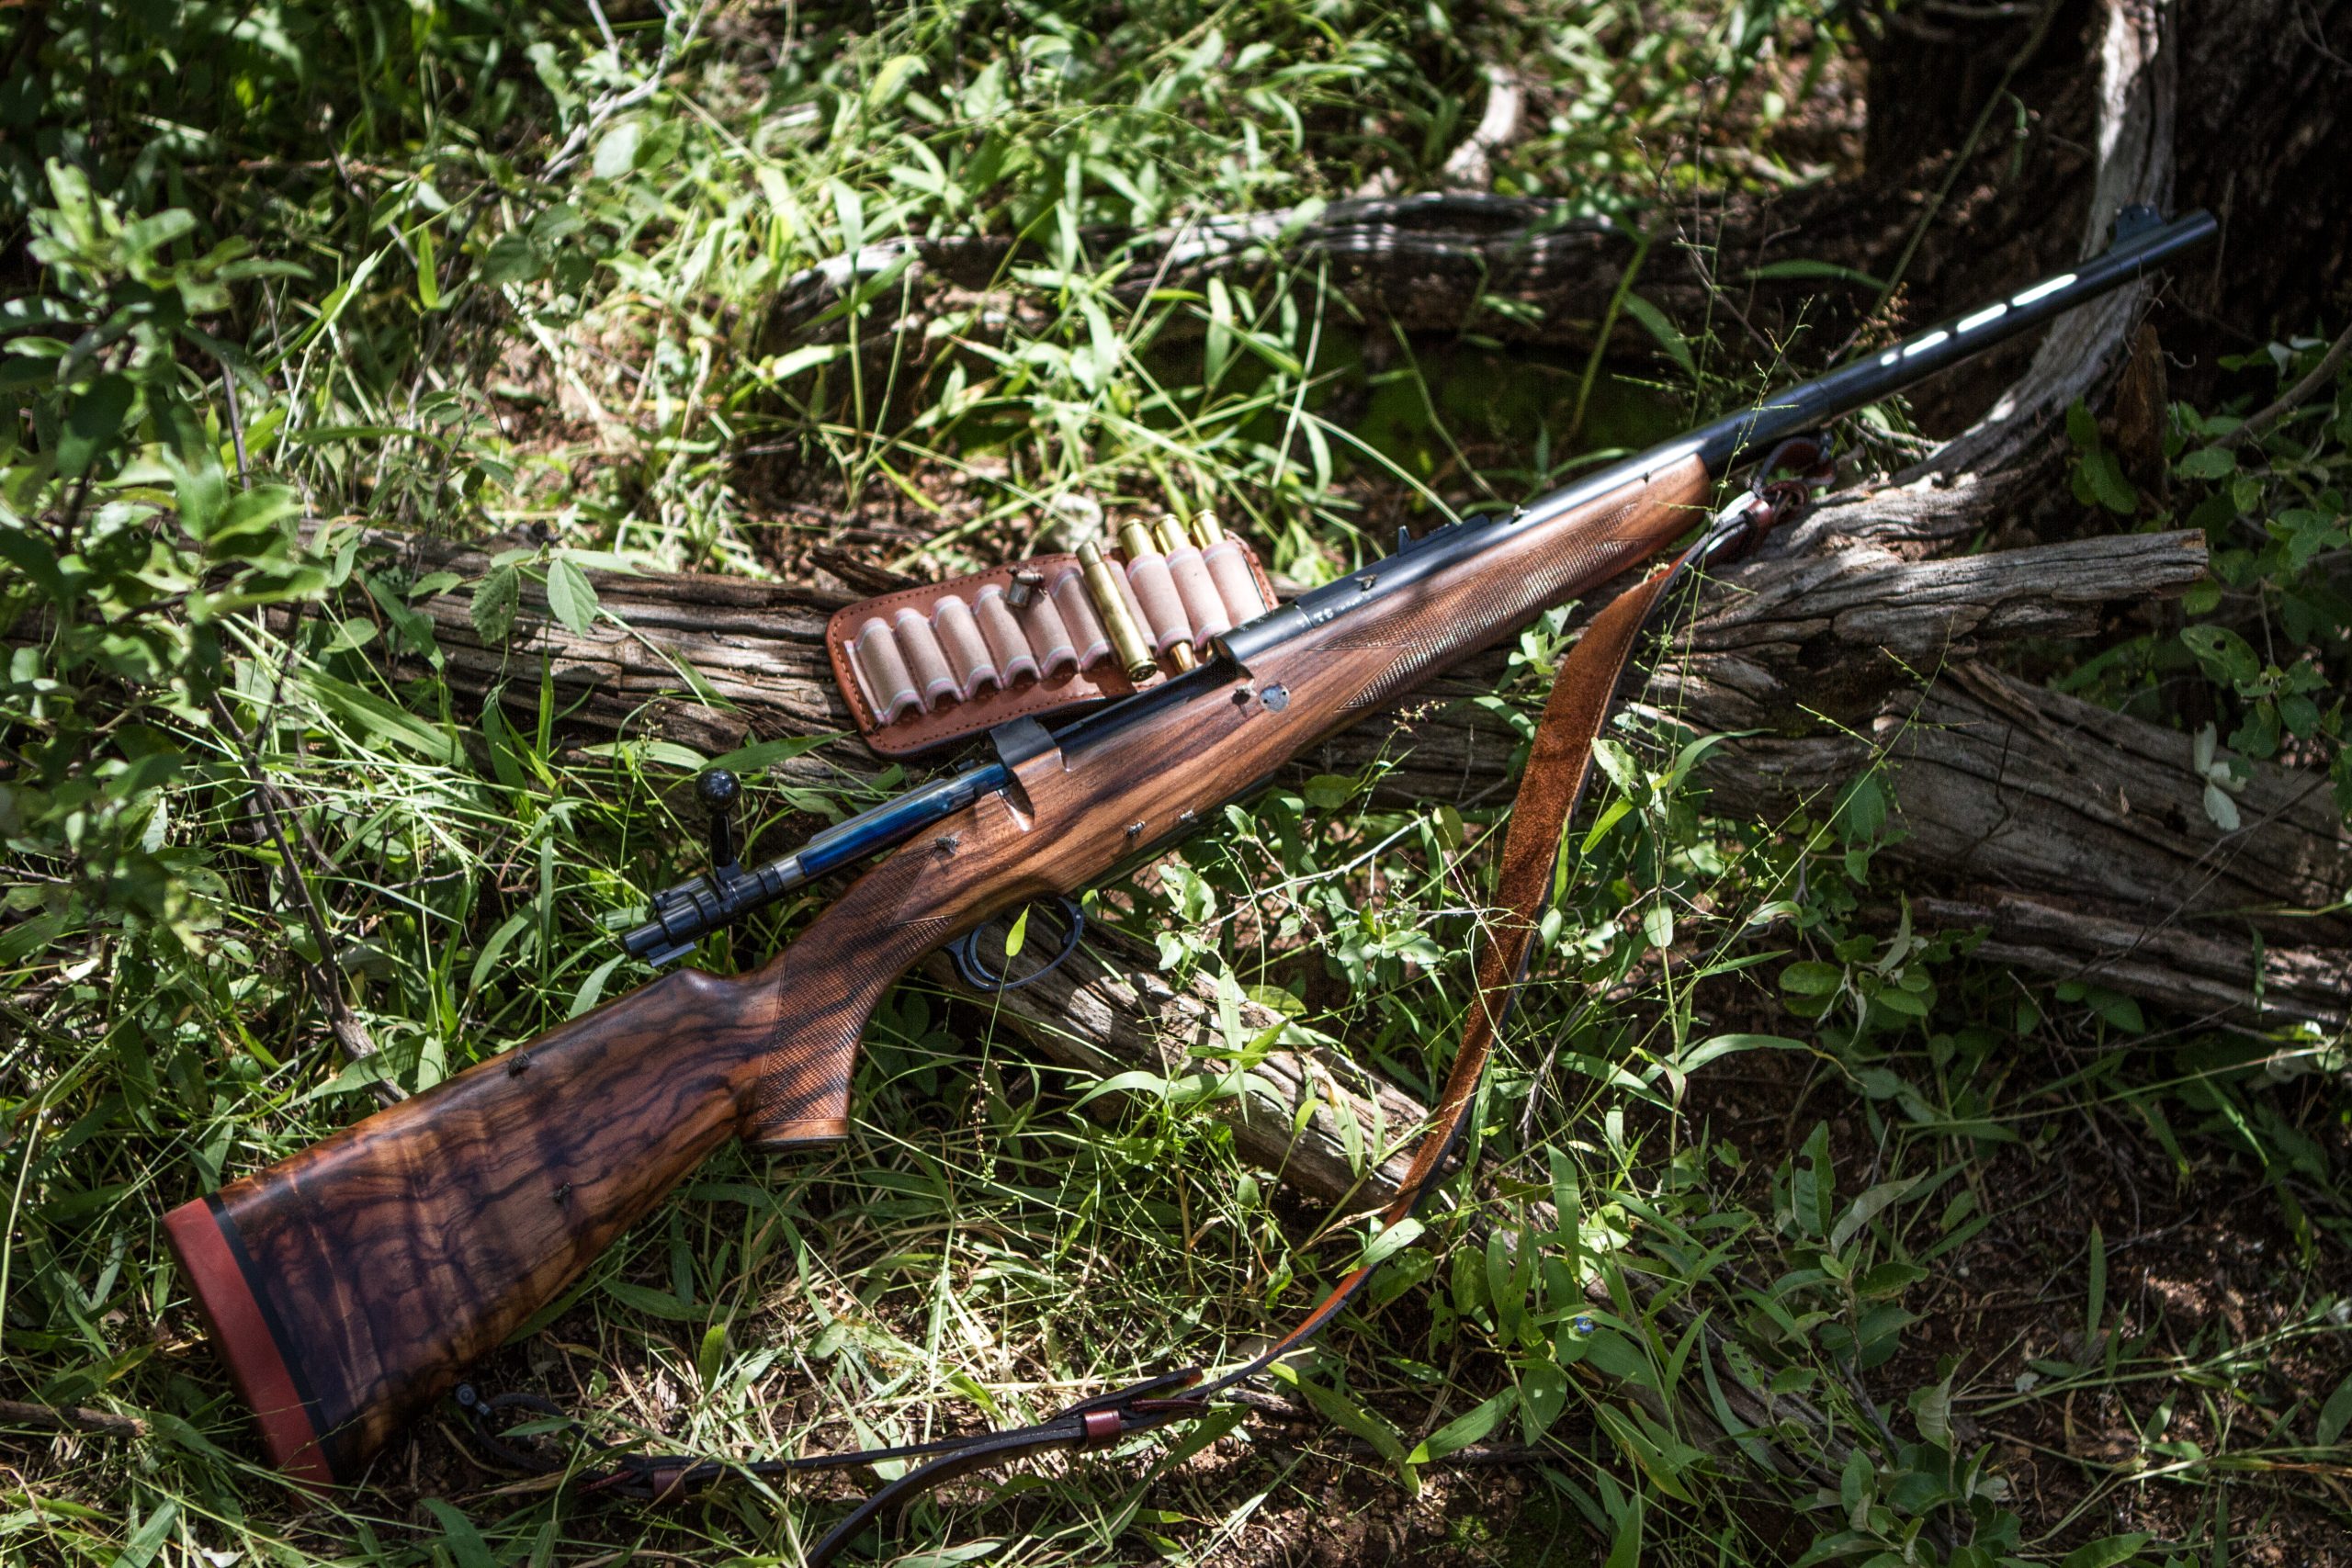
[(493, 272)]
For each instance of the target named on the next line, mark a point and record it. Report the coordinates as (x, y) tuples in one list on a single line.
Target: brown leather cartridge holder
[(919, 671)]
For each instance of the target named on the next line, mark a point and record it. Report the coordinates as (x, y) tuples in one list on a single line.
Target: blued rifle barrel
[(2142, 242)]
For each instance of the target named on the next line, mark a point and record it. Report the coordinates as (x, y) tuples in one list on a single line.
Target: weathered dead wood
[(1521, 269), (2081, 845), (69, 1418), (2200, 975), (1775, 640)]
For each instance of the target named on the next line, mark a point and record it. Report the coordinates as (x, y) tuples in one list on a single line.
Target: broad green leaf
[(1217, 351), (495, 948), (807, 356), (2220, 809), (1897, 1000), (1349, 1416), (892, 79), (1862, 812), (1543, 1396), (1814, 269), (1327, 791), (2207, 463), (465, 1542), (1134, 1081), (2335, 1416), (1811, 978), (768, 754), (850, 208), (2116, 1009), (249, 524), (662, 753), (2104, 477), (1669, 337), (1610, 815), (1625, 1545), (1868, 1207), (36, 557), (510, 258), (1885, 1280), (1708, 1050), (148, 1538), (654, 1303), (385, 720), (571, 598), (1931, 1408), (2106, 1552), (428, 279), (2082, 426), (1390, 1242), (616, 150), (711, 1360), (2225, 656), (496, 598), (591, 989)]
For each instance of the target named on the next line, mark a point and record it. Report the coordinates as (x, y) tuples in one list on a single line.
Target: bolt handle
[(719, 789)]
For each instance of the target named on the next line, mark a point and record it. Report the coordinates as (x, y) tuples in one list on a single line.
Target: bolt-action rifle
[(351, 1284)]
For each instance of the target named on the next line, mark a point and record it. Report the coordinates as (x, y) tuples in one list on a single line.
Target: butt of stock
[(348, 1287)]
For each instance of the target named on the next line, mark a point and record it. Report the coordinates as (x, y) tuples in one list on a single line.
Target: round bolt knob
[(717, 788)]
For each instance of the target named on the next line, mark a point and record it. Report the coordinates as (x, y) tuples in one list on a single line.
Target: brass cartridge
[(1205, 529), (1127, 642), (1171, 535), (1135, 541)]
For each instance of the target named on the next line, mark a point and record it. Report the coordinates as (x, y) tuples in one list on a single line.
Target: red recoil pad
[(204, 1239)]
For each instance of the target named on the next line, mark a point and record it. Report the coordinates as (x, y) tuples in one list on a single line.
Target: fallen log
[(1839, 650)]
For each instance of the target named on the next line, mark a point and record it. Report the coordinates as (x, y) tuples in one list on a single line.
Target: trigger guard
[(966, 951)]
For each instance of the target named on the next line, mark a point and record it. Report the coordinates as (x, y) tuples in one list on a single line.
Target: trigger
[(974, 971)]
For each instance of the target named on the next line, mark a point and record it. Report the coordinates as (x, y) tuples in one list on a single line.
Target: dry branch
[(69, 1418)]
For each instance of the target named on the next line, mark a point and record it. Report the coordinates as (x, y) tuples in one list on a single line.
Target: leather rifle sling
[(1558, 763)]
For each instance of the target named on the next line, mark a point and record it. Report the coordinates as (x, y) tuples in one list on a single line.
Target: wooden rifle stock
[(349, 1285)]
